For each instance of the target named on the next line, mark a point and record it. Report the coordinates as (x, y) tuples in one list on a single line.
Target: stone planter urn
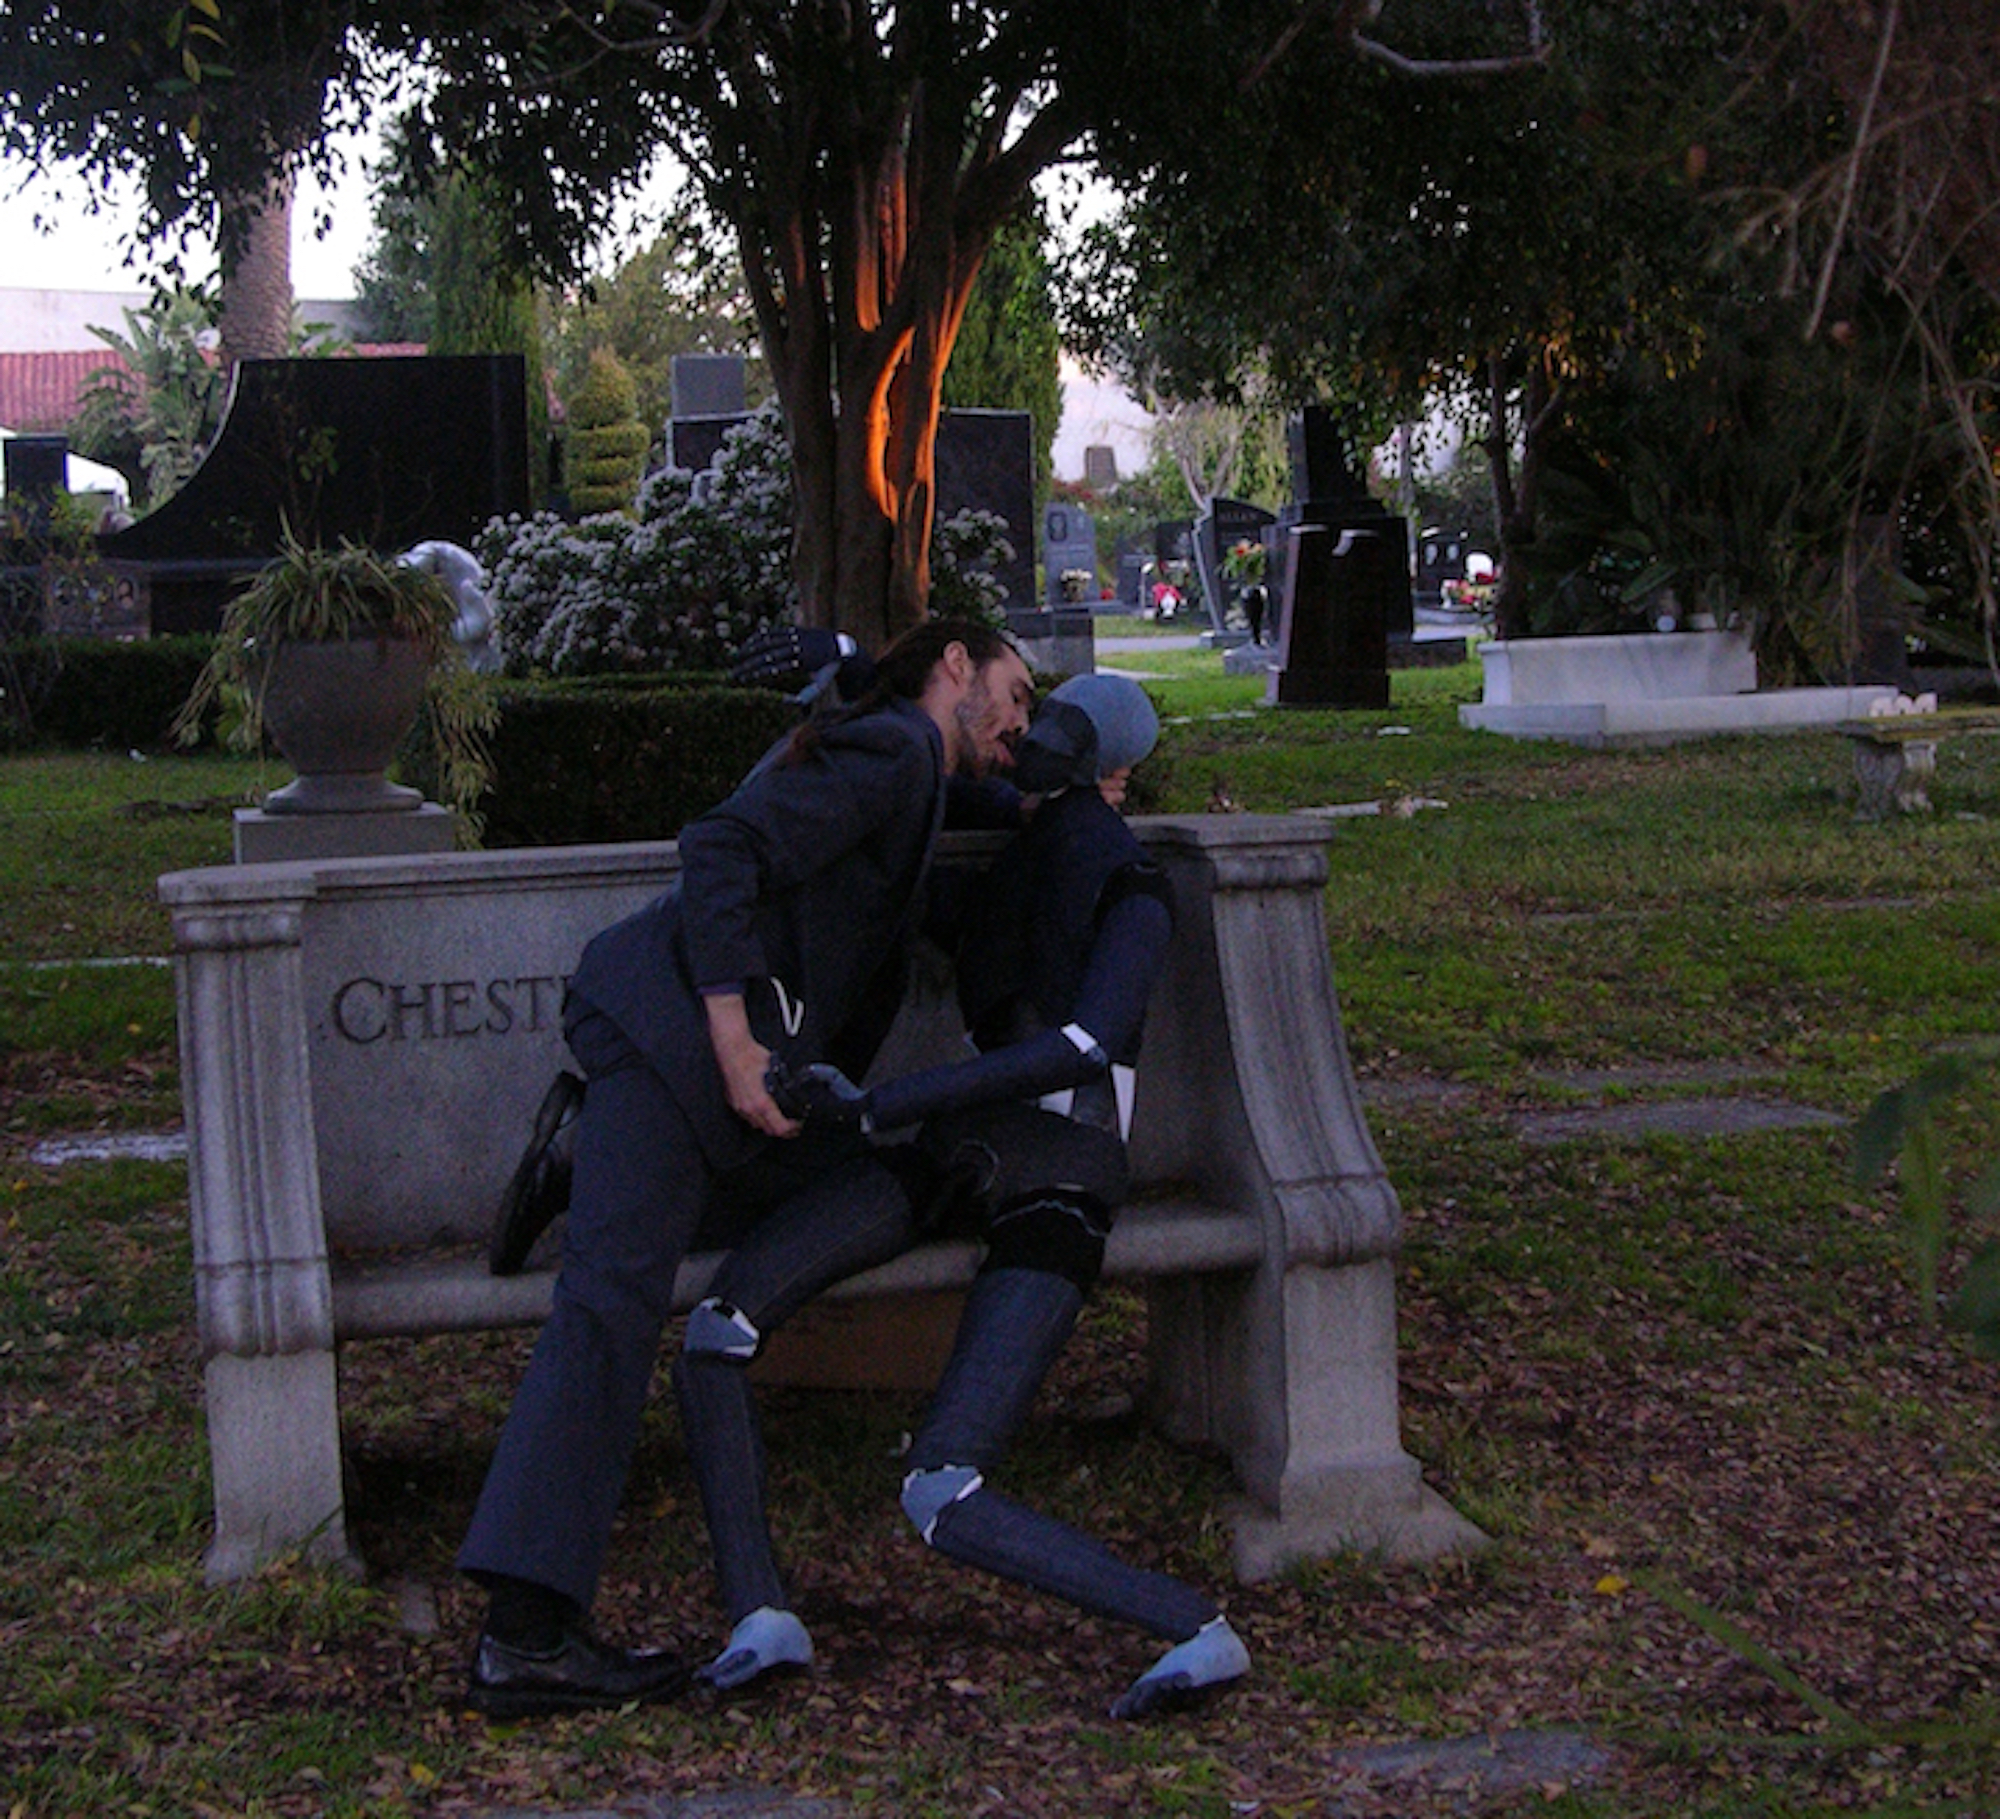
[(339, 711)]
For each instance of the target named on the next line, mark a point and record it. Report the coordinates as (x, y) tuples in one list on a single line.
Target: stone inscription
[(440, 1010)]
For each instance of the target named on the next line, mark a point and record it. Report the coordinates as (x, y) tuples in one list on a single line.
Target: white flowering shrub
[(681, 584), (702, 565), (966, 549)]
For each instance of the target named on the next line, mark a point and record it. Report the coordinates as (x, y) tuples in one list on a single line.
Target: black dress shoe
[(539, 1190), (580, 1674)]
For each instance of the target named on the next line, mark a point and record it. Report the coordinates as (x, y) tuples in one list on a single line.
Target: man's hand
[(819, 1093), (743, 1060)]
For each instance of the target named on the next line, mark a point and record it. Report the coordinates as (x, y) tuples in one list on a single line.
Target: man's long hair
[(904, 668)]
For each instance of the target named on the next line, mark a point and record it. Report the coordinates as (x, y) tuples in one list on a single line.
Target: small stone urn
[(339, 710)]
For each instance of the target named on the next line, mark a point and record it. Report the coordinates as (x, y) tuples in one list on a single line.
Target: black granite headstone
[(1069, 542), (1225, 524), (1358, 578), (388, 453), (1440, 558), (1328, 656), (36, 472)]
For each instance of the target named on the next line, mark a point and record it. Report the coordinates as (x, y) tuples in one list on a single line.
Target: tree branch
[(1853, 182)]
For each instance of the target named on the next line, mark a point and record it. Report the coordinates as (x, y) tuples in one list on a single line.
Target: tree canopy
[(1379, 241), (864, 153)]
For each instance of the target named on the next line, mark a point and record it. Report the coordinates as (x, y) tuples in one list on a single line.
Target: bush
[(680, 586), (606, 448), (619, 759), (702, 565), (80, 693)]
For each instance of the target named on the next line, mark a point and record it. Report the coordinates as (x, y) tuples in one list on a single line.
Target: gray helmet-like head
[(1087, 728)]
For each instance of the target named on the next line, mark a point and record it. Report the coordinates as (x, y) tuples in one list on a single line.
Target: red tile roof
[(43, 391)]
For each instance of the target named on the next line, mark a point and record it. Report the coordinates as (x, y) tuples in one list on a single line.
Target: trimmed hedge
[(614, 759), (84, 693)]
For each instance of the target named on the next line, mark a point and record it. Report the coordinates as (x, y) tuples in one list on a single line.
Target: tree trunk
[(858, 344), (862, 237), (256, 315), (1517, 485)]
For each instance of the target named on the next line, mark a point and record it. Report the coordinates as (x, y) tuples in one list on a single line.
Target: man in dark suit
[(1061, 943), (786, 935)]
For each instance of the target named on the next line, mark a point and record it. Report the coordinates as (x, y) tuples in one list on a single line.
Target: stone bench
[(1895, 756), (363, 1043)]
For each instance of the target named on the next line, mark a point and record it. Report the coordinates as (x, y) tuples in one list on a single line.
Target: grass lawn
[(1741, 1490)]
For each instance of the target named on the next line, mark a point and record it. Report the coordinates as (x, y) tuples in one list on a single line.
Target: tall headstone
[(1069, 547), (37, 473), (986, 463), (1344, 593), (388, 453), (1226, 524), (1100, 466), (708, 385)]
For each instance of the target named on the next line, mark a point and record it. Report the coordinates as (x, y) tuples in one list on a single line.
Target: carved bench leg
[(1892, 776), (263, 1294), (274, 1450), (1306, 1410)]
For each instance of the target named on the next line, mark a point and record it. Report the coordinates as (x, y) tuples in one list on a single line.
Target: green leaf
[(1975, 1309), (1982, 1199), (1878, 1138)]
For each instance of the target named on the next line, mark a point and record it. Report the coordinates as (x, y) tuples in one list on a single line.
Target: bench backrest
[(364, 1043)]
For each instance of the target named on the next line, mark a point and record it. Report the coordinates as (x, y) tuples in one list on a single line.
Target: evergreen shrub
[(84, 693), (603, 759), (606, 449)]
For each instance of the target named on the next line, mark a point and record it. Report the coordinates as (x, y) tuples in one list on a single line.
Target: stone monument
[(1344, 580), (1069, 546), (384, 452)]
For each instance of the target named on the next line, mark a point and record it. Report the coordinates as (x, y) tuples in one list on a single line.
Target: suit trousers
[(640, 1187)]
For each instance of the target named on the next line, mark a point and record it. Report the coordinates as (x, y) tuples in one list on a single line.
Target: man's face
[(993, 714)]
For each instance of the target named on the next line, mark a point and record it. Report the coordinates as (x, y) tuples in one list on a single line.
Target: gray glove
[(818, 1093)]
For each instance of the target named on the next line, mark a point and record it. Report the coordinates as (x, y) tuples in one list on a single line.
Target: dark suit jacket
[(800, 891)]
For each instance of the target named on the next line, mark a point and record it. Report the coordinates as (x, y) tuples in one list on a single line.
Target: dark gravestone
[(1337, 618), (1440, 558), (1327, 656), (388, 453), (1227, 523), (1069, 544), (708, 402), (1130, 585), (986, 463), (708, 385), (694, 442), (37, 473)]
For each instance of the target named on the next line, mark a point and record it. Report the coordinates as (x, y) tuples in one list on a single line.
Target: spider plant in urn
[(335, 651)]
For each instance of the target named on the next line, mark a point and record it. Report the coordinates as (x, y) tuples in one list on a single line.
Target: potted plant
[(336, 651)]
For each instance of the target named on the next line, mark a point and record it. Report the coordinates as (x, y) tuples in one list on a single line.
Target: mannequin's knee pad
[(927, 1495), (1058, 1231), (718, 1332)]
